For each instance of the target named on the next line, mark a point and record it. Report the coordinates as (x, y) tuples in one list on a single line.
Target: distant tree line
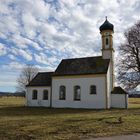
[(21, 94)]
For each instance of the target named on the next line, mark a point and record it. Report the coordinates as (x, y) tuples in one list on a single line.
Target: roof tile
[(42, 79), (87, 65)]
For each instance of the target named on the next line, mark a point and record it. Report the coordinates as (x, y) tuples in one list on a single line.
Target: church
[(86, 82)]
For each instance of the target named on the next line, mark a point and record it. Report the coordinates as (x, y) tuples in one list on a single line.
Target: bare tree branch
[(27, 74), (129, 61)]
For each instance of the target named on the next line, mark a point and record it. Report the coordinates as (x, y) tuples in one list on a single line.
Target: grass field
[(25, 123)]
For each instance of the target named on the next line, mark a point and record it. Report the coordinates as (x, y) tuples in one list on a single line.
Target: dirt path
[(124, 137)]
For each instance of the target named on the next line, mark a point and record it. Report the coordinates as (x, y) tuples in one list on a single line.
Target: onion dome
[(106, 26)]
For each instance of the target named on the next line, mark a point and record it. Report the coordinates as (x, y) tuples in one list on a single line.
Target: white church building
[(86, 82)]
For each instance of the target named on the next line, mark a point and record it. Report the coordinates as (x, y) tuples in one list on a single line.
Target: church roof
[(106, 26), (42, 79), (75, 66), (118, 90), (80, 66)]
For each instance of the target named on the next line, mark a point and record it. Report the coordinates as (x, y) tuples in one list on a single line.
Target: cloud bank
[(43, 32)]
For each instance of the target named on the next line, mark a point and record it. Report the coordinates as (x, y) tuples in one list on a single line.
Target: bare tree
[(27, 74), (129, 60)]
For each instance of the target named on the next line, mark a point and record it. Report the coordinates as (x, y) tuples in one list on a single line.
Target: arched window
[(45, 95), (77, 93), (62, 93), (92, 89), (107, 41), (34, 95)]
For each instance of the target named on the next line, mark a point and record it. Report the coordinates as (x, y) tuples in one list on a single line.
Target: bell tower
[(106, 31)]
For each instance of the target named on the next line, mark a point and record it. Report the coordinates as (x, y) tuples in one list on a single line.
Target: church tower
[(107, 30)]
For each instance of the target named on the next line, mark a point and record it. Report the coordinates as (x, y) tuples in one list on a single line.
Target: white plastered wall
[(39, 101), (109, 85), (107, 54), (95, 101), (119, 100)]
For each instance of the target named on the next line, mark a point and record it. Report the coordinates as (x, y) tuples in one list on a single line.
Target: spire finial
[(106, 17)]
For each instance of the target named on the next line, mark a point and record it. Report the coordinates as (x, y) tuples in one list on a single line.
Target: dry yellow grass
[(6, 101), (25, 123), (134, 102)]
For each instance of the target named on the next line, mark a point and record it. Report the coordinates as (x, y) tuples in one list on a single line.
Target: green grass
[(25, 123)]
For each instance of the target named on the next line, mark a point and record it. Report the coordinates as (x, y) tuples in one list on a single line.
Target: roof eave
[(79, 74)]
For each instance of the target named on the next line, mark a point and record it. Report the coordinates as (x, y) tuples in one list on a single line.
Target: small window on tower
[(106, 41)]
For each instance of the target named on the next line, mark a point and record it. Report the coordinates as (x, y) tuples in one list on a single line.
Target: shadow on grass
[(22, 110), (40, 111)]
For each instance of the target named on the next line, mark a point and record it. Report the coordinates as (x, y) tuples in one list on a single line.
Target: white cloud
[(16, 66), (9, 74), (26, 54), (42, 58), (45, 33), (2, 49), (12, 57)]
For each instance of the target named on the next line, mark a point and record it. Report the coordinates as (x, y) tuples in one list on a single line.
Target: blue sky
[(43, 32)]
